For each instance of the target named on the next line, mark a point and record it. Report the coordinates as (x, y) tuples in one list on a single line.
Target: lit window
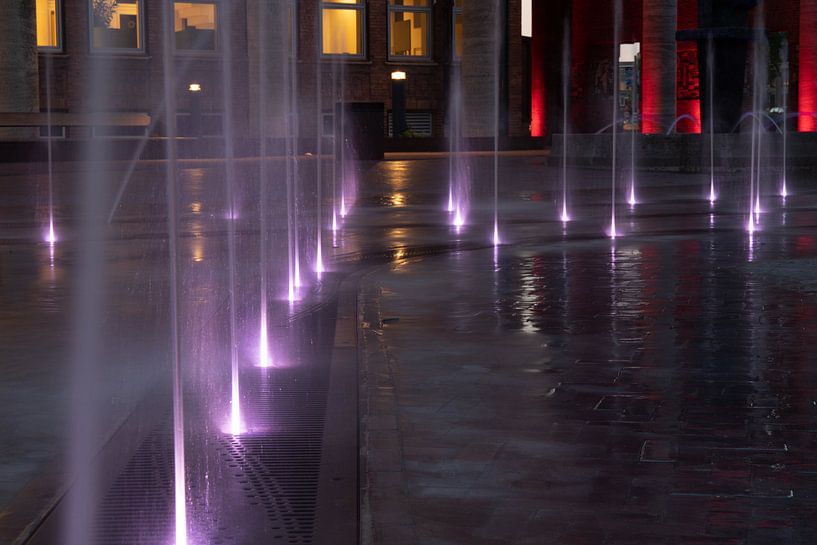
[(195, 26), (409, 28), (48, 24), (457, 29), (116, 24), (342, 27)]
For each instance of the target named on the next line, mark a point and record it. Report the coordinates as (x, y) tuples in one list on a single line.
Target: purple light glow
[(51, 237), (181, 515), (612, 233), (497, 241), (297, 280), (236, 427), (565, 217), (319, 269), (450, 200), (751, 244), (631, 200), (459, 220), (291, 293), (264, 358)]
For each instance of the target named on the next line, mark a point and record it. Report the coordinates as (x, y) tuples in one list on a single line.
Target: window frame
[(218, 37), (96, 136), (60, 136), (60, 47), (429, 11), (456, 11), (124, 51), (360, 7)]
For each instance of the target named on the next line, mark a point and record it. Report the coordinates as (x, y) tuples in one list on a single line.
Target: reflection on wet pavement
[(560, 389), (655, 389)]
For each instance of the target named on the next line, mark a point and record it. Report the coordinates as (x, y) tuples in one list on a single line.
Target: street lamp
[(195, 108), (398, 100)]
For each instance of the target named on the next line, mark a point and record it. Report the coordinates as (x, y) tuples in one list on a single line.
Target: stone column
[(658, 65), (482, 29), (19, 76), (807, 81)]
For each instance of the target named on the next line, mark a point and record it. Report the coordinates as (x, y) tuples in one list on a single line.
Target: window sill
[(140, 55), (197, 54), (410, 62), (339, 59)]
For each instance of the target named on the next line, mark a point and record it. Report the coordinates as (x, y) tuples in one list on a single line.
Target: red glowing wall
[(538, 91), (807, 86), (688, 88), (653, 86)]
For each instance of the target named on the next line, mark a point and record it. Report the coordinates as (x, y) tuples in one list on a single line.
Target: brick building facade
[(71, 64)]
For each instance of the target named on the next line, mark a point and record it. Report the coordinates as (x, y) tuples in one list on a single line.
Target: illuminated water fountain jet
[(497, 53), (459, 219), (293, 267), (710, 71), (565, 215), (230, 175), (179, 479), (784, 63), (264, 358), (51, 237), (612, 233), (319, 268), (759, 89)]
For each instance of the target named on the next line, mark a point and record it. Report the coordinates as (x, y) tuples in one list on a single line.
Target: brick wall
[(134, 82)]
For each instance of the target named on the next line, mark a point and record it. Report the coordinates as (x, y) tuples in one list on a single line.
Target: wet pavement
[(655, 389), (562, 388)]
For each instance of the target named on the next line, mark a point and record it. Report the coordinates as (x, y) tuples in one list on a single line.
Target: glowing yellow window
[(48, 24), (409, 28), (116, 24), (342, 24), (195, 26)]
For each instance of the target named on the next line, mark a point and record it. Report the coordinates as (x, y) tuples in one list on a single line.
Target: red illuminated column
[(538, 125), (658, 60), (807, 86)]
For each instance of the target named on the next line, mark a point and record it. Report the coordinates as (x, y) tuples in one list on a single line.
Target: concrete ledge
[(213, 147), (58, 119), (685, 152)]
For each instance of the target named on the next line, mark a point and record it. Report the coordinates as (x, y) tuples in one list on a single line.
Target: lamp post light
[(195, 109), (398, 99)]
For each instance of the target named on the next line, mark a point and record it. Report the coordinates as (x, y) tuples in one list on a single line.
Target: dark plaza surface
[(562, 388)]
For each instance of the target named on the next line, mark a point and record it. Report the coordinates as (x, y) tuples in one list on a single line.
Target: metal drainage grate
[(273, 471), (137, 508), (279, 469)]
